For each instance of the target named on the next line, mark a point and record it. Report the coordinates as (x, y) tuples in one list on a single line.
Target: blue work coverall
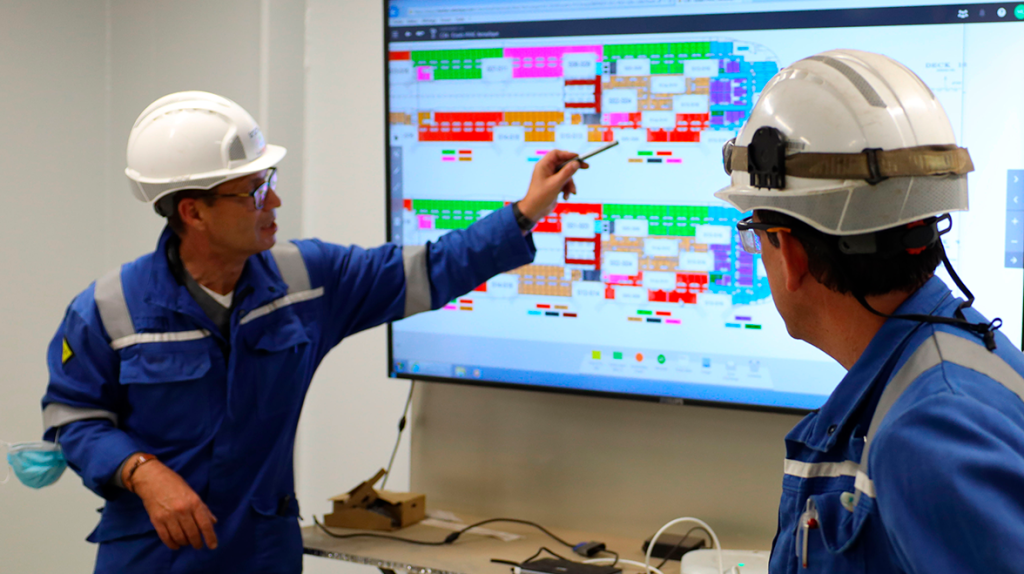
[(222, 411), (942, 486)]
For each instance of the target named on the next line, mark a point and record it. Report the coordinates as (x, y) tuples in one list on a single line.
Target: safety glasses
[(748, 233), (259, 195)]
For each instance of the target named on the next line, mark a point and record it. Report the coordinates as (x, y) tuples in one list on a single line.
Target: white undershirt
[(224, 300)]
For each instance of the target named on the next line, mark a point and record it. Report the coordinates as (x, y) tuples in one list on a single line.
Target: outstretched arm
[(367, 287)]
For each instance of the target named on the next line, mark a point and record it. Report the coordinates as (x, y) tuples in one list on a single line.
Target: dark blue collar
[(867, 377), (258, 285)]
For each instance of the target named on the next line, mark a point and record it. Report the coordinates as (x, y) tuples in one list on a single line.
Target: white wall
[(54, 196)]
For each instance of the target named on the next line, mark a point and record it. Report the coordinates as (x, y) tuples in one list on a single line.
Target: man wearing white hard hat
[(916, 461), (176, 380)]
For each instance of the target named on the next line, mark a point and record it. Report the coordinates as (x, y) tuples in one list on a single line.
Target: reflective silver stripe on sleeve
[(801, 469), (941, 347), (110, 301), (276, 304), (175, 337), (58, 414), (417, 279), (924, 358), (974, 356), (292, 266)]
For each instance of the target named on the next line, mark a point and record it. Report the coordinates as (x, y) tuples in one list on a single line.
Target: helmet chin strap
[(986, 330)]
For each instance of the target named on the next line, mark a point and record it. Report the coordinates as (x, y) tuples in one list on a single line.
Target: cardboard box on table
[(368, 509)]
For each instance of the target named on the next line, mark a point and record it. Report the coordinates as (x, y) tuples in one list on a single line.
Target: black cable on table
[(616, 555), (372, 535), (680, 543), (448, 539), (456, 535), (548, 550)]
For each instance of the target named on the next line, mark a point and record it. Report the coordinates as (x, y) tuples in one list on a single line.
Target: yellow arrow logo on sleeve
[(67, 353)]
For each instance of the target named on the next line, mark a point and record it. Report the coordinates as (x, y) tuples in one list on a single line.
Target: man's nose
[(273, 201)]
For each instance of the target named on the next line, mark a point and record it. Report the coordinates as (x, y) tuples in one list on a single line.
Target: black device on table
[(557, 566)]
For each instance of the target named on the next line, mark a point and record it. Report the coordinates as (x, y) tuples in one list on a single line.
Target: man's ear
[(794, 261), (191, 213)]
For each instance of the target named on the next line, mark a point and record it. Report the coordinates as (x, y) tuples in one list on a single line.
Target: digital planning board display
[(641, 287)]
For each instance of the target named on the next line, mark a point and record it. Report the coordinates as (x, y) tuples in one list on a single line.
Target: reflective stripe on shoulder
[(417, 279), (294, 273), (117, 320), (59, 414), (292, 266), (112, 306), (173, 337), (941, 348), (290, 299), (801, 469)]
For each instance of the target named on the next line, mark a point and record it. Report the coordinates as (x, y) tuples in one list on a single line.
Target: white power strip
[(733, 561)]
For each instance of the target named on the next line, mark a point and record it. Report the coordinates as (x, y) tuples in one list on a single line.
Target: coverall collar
[(257, 286), (865, 379)]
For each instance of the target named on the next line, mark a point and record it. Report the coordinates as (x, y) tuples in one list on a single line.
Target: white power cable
[(714, 537), (623, 561)]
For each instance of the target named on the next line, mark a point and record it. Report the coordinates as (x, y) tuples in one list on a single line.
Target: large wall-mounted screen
[(640, 286)]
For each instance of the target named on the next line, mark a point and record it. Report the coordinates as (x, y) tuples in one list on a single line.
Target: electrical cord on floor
[(401, 428), (448, 539), (680, 543), (616, 555)]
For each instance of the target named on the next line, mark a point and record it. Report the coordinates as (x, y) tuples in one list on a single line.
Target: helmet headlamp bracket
[(766, 159)]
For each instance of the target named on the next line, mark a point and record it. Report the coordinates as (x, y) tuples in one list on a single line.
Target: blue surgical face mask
[(36, 464)]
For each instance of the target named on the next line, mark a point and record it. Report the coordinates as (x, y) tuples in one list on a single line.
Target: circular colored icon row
[(1018, 12)]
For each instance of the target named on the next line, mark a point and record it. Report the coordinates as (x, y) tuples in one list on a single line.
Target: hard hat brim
[(854, 207), (152, 190)]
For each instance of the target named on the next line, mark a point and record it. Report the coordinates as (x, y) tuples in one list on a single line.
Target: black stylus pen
[(588, 155)]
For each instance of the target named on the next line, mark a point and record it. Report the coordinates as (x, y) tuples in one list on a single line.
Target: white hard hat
[(194, 140), (848, 142)]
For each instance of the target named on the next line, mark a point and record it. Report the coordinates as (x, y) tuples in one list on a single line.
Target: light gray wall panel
[(51, 156), (606, 465)]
